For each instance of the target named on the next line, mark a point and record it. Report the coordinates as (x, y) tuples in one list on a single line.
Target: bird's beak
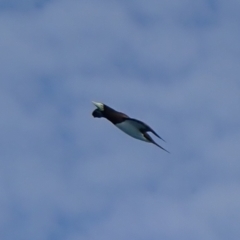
[(98, 105)]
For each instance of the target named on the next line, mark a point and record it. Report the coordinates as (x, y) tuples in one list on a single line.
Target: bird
[(131, 126)]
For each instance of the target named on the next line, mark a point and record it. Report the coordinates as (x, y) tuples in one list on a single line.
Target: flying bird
[(133, 127)]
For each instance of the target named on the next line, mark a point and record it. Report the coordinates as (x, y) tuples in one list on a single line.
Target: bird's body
[(130, 129), (133, 127)]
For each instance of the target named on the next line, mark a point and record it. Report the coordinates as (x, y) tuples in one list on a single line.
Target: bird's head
[(99, 111)]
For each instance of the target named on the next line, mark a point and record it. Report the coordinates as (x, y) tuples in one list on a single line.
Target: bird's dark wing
[(148, 137), (97, 113), (143, 127)]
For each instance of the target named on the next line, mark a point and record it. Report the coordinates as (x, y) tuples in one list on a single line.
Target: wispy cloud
[(174, 65)]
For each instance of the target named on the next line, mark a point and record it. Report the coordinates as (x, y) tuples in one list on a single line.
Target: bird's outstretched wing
[(143, 127), (148, 137)]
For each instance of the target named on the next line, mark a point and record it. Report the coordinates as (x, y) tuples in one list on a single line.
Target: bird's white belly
[(131, 130)]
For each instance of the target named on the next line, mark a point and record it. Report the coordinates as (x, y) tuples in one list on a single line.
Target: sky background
[(172, 64)]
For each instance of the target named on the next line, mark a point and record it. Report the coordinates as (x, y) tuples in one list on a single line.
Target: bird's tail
[(160, 147), (157, 135), (147, 136)]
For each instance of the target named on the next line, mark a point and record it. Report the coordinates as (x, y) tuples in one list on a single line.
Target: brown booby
[(133, 127)]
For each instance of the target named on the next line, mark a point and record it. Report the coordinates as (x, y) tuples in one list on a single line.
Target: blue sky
[(173, 64)]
